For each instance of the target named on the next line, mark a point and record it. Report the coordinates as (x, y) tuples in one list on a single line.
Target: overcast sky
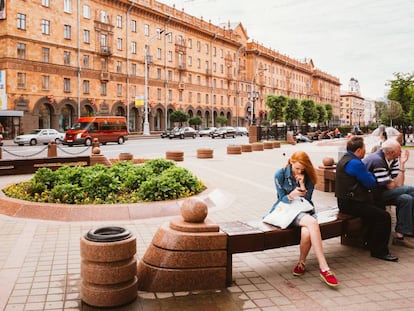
[(367, 40)]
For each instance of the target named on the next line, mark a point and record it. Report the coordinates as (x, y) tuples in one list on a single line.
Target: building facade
[(352, 105), (63, 59)]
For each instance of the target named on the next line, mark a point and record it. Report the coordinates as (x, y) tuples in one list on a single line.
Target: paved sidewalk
[(40, 260)]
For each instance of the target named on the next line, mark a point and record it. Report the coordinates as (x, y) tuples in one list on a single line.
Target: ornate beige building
[(59, 61)]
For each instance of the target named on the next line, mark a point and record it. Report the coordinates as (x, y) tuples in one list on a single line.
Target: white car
[(39, 136), (206, 131)]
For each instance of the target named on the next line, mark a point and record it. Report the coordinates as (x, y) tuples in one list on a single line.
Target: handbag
[(284, 213)]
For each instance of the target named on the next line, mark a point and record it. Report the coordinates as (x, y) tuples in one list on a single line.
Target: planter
[(268, 145), (276, 144), (234, 149), (177, 156), (126, 156), (246, 148), (257, 147), (108, 267), (204, 153)]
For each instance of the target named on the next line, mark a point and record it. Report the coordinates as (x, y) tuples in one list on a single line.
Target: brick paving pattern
[(40, 260)]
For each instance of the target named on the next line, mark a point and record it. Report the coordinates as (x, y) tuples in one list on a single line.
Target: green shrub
[(124, 182)]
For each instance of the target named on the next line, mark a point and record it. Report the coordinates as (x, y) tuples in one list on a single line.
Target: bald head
[(391, 148)]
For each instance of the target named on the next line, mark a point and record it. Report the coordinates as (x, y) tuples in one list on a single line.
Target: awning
[(11, 113)]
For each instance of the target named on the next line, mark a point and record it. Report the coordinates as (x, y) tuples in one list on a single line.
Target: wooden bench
[(253, 236), (30, 166)]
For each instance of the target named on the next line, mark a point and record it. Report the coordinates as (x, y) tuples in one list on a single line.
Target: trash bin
[(108, 267)]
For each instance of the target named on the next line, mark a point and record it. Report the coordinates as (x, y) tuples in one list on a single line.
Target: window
[(190, 78), (170, 95), (134, 69), (134, 90), (169, 37), (103, 88), (198, 98), (198, 80), (158, 94), (207, 101), (214, 51), (46, 55), (119, 89), (104, 17), (198, 63), (133, 47), (66, 85), (190, 61), (86, 36), (221, 53), (134, 26), (189, 43), (169, 56), (45, 83), (146, 30), (159, 53), (103, 40), (206, 64), (86, 61), (159, 32), (21, 80), (180, 95), (86, 86), (67, 6), (119, 67), (170, 75), (180, 40), (21, 50), (86, 11), (67, 31), (66, 58), (198, 46), (119, 44), (190, 96), (45, 27), (119, 21), (159, 73), (21, 21), (206, 48), (46, 3)]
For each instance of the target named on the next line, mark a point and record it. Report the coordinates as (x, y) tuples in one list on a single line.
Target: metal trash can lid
[(108, 234)]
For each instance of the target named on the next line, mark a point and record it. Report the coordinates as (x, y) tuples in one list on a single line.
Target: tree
[(276, 105), (222, 120), (179, 116), (393, 110), (309, 111), (292, 111), (195, 121), (322, 115), (402, 90), (329, 111)]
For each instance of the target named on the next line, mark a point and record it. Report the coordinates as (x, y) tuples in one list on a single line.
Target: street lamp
[(253, 96), (148, 59)]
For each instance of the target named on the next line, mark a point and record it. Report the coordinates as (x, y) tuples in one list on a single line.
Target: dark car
[(223, 132), (182, 132), (166, 133)]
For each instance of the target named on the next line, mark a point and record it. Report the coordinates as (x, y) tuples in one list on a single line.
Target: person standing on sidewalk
[(388, 166), (353, 189), (298, 179)]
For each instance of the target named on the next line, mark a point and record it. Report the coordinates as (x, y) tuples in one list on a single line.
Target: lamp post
[(253, 96), (148, 59)]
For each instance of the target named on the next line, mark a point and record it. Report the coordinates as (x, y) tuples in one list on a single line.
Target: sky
[(367, 40)]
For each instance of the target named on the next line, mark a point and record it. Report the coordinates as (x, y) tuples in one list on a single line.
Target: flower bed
[(124, 182)]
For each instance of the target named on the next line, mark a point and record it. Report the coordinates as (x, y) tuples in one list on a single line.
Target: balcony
[(105, 51), (105, 76), (181, 67)]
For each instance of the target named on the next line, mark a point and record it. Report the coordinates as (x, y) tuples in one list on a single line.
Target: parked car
[(183, 132), (166, 133), (242, 131), (42, 136), (206, 131), (223, 132)]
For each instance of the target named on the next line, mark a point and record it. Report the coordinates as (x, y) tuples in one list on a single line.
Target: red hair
[(303, 158)]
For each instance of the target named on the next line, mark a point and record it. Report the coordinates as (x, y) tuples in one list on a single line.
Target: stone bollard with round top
[(98, 158), (51, 149), (95, 143), (108, 267)]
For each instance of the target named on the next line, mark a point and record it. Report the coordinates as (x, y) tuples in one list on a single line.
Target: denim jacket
[(285, 183)]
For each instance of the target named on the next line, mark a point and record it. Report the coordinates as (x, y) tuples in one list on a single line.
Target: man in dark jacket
[(354, 184)]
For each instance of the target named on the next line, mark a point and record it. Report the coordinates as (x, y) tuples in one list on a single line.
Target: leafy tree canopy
[(179, 116)]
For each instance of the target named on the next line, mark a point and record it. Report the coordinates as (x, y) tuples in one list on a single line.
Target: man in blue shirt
[(353, 189), (387, 165)]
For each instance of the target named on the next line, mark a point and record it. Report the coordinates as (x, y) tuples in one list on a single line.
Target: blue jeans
[(403, 198)]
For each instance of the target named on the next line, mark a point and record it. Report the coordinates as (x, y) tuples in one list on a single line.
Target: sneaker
[(402, 242), (329, 278), (299, 269)]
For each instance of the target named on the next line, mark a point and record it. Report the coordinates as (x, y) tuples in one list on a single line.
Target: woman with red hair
[(298, 179)]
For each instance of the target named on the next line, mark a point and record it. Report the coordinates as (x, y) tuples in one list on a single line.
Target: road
[(140, 148)]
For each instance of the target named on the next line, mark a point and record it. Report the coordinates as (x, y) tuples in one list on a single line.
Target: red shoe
[(329, 278), (299, 269)]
